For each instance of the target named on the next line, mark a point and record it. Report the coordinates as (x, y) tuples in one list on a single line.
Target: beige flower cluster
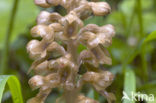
[(56, 59)]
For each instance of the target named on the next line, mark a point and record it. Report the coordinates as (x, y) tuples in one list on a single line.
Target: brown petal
[(104, 80), (43, 31), (42, 68), (52, 80), (71, 17), (90, 77), (101, 55), (33, 49), (36, 82), (100, 8), (55, 17), (44, 18), (55, 47), (100, 80), (37, 62), (86, 37), (88, 59), (56, 26), (90, 28), (37, 49), (108, 29), (105, 35), (42, 3), (70, 30)]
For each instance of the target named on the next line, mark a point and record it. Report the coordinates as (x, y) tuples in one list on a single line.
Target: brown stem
[(72, 49), (71, 95)]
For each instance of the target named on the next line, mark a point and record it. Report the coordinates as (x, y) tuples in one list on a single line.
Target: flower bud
[(57, 49), (100, 80), (42, 3), (90, 77), (105, 35), (88, 59), (55, 17), (102, 55), (100, 8), (90, 28), (104, 80), (32, 49), (56, 26), (36, 82), (52, 80), (42, 68), (43, 31), (44, 18)]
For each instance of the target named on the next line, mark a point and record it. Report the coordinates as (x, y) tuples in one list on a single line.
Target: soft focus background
[(133, 50)]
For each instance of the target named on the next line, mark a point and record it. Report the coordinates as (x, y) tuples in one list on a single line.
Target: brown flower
[(57, 63)]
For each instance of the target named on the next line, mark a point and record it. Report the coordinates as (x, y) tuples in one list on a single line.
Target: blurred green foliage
[(132, 51), (14, 87)]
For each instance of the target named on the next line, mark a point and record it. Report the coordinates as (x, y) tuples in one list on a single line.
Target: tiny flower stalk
[(56, 60)]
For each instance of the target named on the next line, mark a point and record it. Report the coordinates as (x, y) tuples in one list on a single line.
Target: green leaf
[(150, 37), (14, 87), (129, 85)]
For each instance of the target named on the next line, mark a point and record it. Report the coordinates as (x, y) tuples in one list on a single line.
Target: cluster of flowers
[(56, 60)]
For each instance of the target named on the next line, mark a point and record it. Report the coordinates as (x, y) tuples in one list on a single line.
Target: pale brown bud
[(99, 80), (71, 17), (104, 80), (31, 49), (56, 26), (106, 34), (100, 8), (36, 82), (37, 49), (44, 18), (43, 31), (55, 17), (52, 80), (102, 55), (57, 49), (88, 59), (42, 68), (42, 3), (92, 35), (90, 28)]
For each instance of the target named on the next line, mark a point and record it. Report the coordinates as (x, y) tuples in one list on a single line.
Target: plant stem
[(72, 49), (71, 95), (140, 18), (154, 3), (5, 51), (143, 54)]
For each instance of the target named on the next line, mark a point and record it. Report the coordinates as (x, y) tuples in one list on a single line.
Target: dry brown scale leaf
[(57, 66)]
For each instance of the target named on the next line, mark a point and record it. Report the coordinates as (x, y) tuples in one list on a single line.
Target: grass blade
[(150, 37), (129, 85), (14, 87)]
